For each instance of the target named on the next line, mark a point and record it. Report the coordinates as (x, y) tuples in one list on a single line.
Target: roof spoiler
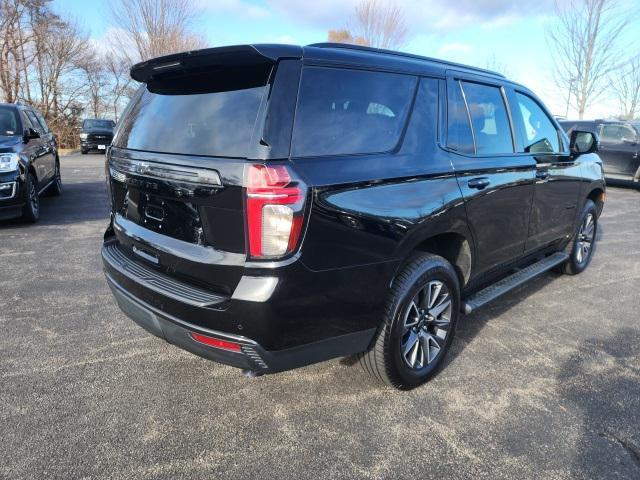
[(234, 56)]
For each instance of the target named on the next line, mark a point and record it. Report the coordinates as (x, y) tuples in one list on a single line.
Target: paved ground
[(543, 384)]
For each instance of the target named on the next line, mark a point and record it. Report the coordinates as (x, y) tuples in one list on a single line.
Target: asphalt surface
[(544, 383)]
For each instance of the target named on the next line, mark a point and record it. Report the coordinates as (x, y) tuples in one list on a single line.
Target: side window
[(42, 122), (489, 118), (618, 134), (26, 121), (538, 133), (348, 111), (34, 121), (459, 136)]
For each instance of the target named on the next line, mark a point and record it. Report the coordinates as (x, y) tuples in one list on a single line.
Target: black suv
[(29, 163), (96, 134), (619, 146), (274, 206)]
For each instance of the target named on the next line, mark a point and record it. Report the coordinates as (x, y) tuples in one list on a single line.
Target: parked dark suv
[(29, 163), (619, 146), (96, 134), (275, 206)]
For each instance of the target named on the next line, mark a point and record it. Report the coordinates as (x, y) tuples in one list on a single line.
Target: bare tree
[(381, 24), (344, 36), (14, 39), (95, 73), (585, 45), (376, 23), (155, 27), (626, 85), (120, 88)]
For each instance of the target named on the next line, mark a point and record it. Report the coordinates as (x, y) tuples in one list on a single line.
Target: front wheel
[(31, 209), (582, 245), (419, 324), (55, 189)]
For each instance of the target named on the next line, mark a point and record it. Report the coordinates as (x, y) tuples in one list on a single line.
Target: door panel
[(44, 147), (498, 213), (619, 149), (555, 201), (557, 176), (497, 185)]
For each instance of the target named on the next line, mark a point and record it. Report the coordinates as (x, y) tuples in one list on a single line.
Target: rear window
[(344, 111), (209, 114)]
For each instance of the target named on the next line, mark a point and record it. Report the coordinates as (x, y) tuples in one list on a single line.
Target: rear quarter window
[(343, 111)]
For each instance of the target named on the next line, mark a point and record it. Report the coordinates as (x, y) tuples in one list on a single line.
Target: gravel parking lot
[(544, 383)]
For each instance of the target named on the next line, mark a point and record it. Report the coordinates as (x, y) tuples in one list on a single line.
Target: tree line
[(48, 61)]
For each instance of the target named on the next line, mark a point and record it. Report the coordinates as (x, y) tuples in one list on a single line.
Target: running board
[(507, 284)]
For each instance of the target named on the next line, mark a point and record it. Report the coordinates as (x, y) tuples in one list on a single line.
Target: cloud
[(240, 8), (323, 14), (423, 16)]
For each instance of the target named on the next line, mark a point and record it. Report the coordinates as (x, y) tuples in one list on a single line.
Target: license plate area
[(175, 218), (101, 147)]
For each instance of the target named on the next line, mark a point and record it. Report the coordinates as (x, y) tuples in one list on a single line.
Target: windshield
[(107, 124), (208, 114), (9, 124)]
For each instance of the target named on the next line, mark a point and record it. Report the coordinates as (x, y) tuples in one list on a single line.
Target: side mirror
[(30, 134), (583, 142)]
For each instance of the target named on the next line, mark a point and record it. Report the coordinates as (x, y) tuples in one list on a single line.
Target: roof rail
[(349, 46)]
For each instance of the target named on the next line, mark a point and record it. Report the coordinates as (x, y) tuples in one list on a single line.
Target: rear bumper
[(252, 355), (274, 335), (94, 144)]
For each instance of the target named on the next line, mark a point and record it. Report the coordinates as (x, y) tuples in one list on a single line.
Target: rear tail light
[(275, 209), (216, 342)]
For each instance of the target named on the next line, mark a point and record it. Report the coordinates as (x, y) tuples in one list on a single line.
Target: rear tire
[(582, 244), (31, 209), (419, 324)]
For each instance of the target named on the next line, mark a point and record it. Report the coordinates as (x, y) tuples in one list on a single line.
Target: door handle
[(479, 183), (542, 174)]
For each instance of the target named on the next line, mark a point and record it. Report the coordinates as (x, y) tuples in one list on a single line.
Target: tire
[(583, 243), (31, 209), (55, 190), (421, 314), (83, 152)]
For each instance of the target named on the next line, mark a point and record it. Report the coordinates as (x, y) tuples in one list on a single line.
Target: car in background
[(619, 145), (29, 162), (96, 134)]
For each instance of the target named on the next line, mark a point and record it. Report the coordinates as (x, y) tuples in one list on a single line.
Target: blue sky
[(468, 31)]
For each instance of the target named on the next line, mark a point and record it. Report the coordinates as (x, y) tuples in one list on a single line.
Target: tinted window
[(206, 114), (347, 111), (459, 135), (106, 124), (9, 124), (26, 121), (34, 121), (538, 133), (42, 122), (618, 134), (489, 118)]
